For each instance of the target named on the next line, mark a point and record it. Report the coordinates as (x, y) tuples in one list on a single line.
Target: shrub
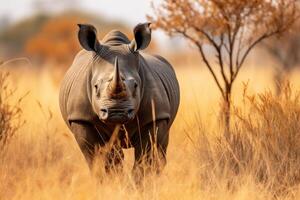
[(10, 113)]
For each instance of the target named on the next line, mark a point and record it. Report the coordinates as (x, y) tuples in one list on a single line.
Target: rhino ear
[(142, 37), (87, 37)]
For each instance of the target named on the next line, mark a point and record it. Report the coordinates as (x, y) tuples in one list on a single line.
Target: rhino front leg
[(114, 159), (86, 137), (151, 148)]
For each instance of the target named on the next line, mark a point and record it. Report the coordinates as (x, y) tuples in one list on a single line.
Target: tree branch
[(232, 49), (239, 49), (209, 38), (210, 69), (208, 65), (218, 49), (220, 59), (264, 36)]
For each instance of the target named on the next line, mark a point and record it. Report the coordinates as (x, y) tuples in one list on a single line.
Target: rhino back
[(160, 85), (73, 98)]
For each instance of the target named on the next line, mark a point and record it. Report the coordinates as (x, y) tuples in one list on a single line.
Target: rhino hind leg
[(151, 148), (87, 139)]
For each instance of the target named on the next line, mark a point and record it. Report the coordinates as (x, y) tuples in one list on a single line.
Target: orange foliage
[(56, 41)]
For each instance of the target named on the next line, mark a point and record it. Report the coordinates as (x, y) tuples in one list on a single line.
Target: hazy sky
[(129, 11)]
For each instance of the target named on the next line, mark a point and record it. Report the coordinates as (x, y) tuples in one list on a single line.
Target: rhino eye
[(97, 91), (135, 87)]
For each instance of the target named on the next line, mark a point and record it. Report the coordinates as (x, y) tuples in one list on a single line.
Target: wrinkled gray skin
[(111, 82)]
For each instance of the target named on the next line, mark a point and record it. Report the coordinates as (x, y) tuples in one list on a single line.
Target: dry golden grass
[(261, 161)]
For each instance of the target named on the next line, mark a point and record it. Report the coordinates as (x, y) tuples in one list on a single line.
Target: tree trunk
[(226, 112)]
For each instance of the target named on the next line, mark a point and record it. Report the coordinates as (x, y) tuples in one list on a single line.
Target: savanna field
[(41, 159)]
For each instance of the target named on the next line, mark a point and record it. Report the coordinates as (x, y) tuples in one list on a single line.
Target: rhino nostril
[(104, 110), (130, 111), (103, 113)]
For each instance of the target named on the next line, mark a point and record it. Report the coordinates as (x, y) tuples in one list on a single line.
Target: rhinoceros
[(112, 82)]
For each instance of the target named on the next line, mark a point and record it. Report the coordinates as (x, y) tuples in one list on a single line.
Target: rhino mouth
[(116, 116)]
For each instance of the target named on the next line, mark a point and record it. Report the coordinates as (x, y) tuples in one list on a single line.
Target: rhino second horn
[(117, 86)]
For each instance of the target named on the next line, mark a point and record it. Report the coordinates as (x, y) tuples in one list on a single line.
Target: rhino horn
[(117, 87)]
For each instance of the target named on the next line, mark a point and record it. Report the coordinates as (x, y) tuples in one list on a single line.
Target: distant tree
[(232, 28), (14, 36), (56, 41), (14, 39), (286, 52)]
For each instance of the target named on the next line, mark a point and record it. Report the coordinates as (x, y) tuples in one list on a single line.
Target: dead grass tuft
[(10, 111), (264, 144)]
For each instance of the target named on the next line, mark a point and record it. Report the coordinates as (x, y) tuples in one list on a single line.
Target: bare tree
[(232, 28)]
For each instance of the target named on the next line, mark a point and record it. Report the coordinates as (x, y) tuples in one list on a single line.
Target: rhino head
[(115, 86)]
